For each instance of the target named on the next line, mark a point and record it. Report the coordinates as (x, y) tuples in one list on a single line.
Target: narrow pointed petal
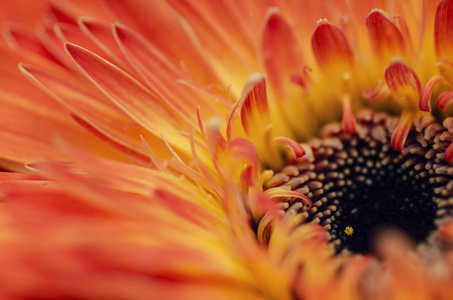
[(425, 97), (129, 95), (18, 37), (102, 116), (31, 138), (100, 33), (160, 74), (443, 30), (386, 38), (445, 99), (403, 84), (281, 53), (331, 46)]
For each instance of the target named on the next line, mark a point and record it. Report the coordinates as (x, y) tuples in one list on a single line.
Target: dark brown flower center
[(358, 184)]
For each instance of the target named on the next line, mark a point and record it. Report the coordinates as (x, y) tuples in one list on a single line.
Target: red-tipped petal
[(294, 146), (331, 46), (445, 99), (379, 93), (279, 193), (349, 121), (254, 102), (403, 84), (386, 39), (449, 154), (281, 53), (401, 131), (443, 30), (425, 97)]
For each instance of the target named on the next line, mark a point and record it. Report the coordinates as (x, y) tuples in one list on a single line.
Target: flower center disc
[(359, 184)]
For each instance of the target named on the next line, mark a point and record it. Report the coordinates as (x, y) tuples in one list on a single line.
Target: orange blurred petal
[(331, 46), (386, 38), (443, 28), (444, 99), (281, 53)]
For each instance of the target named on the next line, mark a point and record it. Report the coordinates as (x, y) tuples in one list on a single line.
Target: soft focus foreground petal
[(443, 28), (81, 253), (399, 262), (129, 95), (31, 138), (130, 178)]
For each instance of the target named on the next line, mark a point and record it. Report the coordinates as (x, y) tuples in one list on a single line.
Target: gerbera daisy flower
[(227, 149)]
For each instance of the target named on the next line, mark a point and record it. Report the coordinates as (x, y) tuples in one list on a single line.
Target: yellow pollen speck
[(348, 230)]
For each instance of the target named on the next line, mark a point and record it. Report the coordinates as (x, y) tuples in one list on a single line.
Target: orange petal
[(331, 46), (386, 39), (444, 99), (161, 75), (294, 146), (53, 45), (401, 131), (281, 53), (129, 95), (254, 104), (425, 97), (443, 28), (22, 38), (349, 121), (279, 192), (377, 94), (449, 154), (23, 11), (403, 84), (31, 138), (137, 156), (243, 148), (99, 115), (100, 33)]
